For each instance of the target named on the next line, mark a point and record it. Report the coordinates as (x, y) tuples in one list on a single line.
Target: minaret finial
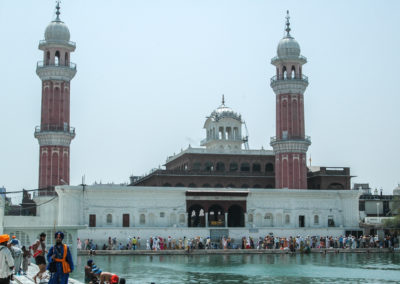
[(287, 24), (223, 99), (58, 10)]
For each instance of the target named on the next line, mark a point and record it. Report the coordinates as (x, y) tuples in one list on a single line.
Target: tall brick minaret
[(55, 133), (290, 143)]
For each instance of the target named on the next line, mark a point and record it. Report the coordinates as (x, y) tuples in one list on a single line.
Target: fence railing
[(42, 64), (283, 78)]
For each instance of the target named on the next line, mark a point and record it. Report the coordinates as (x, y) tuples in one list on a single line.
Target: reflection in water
[(254, 268)]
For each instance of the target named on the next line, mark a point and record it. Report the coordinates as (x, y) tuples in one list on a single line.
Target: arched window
[(196, 166), (218, 185), (179, 185), (316, 219), (269, 186), (182, 218), (142, 219), (269, 167), (256, 186), (250, 218), (208, 166), (287, 219), (245, 167), (284, 72), (293, 73), (206, 185), (109, 219), (167, 184), (233, 167), (231, 185), (245, 186), (256, 168), (57, 58), (47, 57), (192, 185), (66, 62), (220, 167)]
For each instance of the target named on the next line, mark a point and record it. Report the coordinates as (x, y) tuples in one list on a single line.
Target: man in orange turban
[(6, 260)]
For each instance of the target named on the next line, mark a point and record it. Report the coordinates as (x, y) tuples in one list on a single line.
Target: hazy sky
[(149, 72)]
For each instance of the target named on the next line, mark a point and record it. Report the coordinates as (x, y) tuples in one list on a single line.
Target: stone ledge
[(233, 251)]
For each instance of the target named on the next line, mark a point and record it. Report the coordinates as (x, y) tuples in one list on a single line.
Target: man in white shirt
[(6, 260)]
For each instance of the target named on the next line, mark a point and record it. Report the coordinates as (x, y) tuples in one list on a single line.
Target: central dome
[(57, 31), (288, 47), (224, 111)]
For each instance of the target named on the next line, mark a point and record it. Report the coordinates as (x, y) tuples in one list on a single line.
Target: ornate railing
[(217, 139), (55, 128), (294, 138), (281, 78), (44, 42), (287, 57), (41, 64)]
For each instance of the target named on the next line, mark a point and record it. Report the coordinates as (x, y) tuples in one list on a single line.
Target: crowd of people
[(268, 242), (15, 260)]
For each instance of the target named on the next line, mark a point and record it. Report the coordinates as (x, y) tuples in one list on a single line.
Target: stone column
[(206, 219), (226, 219)]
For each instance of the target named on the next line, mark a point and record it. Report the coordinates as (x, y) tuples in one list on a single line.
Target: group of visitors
[(12, 256), (94, 275), (268, 242)]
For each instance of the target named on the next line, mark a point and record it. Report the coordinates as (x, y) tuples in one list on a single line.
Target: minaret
[(290, 143), (55, 133)]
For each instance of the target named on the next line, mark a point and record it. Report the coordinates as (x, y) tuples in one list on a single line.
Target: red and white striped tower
[(290, 143), (55, 133)]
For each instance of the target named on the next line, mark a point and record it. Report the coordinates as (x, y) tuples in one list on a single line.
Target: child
[(26, 256)]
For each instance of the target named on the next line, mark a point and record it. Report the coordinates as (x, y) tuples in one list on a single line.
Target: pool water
[(260, 268)]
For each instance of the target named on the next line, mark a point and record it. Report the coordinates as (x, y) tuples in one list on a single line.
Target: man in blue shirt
[(60, 261)]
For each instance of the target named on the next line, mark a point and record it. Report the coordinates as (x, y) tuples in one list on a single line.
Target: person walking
[(26, 255), (6, 260), (39, 250), (16, 253), (60, 261)]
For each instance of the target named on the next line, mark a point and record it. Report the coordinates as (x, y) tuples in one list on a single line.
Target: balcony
[(69, 65), (204, 141), (300, 58), (55, 128), (303, 78), (306, 138), (70, 44)]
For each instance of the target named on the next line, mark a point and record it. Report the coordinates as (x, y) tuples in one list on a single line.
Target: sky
[(149, 72)]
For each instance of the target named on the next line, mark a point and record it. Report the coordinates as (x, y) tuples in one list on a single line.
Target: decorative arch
[(268, 220), (196, 216), (256, 168), (269, 167), (235, 216), (220, 167), (216, 216)]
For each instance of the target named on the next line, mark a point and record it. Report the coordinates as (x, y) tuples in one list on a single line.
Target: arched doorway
[(235, 216), (196, 216), (216, 216)]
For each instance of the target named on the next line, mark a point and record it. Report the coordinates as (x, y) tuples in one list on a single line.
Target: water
[(264, 268)]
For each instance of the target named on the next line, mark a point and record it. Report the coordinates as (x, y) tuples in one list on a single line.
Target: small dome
[(57, 31), (224, 111), (288, 47)]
